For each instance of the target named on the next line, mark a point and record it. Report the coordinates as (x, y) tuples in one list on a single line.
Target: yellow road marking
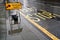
[(53, 13), (57, 15), (43, 15), (41, 28), (49, 17), (40, 17)]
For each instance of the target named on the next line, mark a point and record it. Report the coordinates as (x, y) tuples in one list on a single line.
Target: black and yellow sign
[(12, 6)]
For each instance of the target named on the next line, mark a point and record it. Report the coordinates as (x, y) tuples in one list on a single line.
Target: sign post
[(12, 6)]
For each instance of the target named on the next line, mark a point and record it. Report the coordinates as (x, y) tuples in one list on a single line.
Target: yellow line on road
[(55, 14), (40, 17), (41, 28)]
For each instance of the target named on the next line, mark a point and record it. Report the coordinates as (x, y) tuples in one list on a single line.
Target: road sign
[(12, 6)]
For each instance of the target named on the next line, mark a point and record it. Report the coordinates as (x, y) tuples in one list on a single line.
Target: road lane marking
[(35, 19), (43, 15), (52, 13), (57, 15), (41, 28), (40, 17)]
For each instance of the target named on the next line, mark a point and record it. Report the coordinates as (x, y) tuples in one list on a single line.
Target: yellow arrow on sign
[(14, 5)]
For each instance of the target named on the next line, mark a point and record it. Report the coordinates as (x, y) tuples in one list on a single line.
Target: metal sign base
[(11, 31), (15, 31)]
